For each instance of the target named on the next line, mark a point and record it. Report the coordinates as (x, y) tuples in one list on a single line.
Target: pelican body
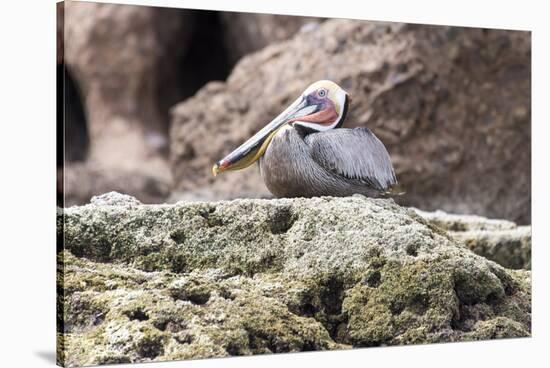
[(304, 152)]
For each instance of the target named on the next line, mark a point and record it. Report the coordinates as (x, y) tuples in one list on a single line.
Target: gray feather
[(355, 154)]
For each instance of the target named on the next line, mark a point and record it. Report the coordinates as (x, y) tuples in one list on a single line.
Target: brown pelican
[(304, 152)]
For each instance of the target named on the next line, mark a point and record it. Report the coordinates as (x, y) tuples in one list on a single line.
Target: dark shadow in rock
[(206, 56), (282, 220), (138, 314), (72, 130)]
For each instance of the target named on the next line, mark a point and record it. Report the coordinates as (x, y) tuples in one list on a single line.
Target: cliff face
[(207, 279)]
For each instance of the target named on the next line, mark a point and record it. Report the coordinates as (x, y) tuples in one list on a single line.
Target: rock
[(191, 280), (82, 181), (462, 223), (509, 248), (114, 199), (498, 240), (451, 104), (114, 52), (119, 57), (248, 32)]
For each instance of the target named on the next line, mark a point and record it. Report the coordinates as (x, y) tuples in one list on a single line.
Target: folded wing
[(354, 154)]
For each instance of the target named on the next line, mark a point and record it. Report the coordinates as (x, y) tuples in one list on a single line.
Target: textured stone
[(249, 32), (499, 240), (119, 57), (451, 104), (193, 280)]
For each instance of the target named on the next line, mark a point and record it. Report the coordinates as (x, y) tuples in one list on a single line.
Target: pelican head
[(322, 106)]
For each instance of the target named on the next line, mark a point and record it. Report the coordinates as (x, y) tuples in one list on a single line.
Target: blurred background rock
[(154, 96)]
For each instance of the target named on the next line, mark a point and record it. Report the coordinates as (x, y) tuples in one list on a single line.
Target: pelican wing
[(355, 154)]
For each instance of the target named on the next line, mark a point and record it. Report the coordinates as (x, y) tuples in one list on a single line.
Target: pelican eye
[(322, 92)]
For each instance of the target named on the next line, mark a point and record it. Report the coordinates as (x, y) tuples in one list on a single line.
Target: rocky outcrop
[(451, 104), (498, 240), (115, 52), (191, 280), (119, 56)]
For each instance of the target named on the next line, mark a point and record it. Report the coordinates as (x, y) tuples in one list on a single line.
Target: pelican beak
[(251, 150)]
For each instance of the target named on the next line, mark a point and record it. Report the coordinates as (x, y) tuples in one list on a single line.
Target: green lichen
[(166, 282), (168, 316), (501, 241)]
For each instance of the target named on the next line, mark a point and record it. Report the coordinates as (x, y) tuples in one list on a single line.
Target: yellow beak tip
[(215, 170)]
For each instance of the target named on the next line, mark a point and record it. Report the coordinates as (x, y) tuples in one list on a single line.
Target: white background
[(27, 195)]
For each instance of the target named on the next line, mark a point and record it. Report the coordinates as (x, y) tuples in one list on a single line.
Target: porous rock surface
[(451, 104), (501, 241), (209, 279)]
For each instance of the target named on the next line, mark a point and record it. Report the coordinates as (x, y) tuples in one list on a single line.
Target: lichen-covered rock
[(499, 240), (192, 280), (114, 199), (117, 314), (451, 104)]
